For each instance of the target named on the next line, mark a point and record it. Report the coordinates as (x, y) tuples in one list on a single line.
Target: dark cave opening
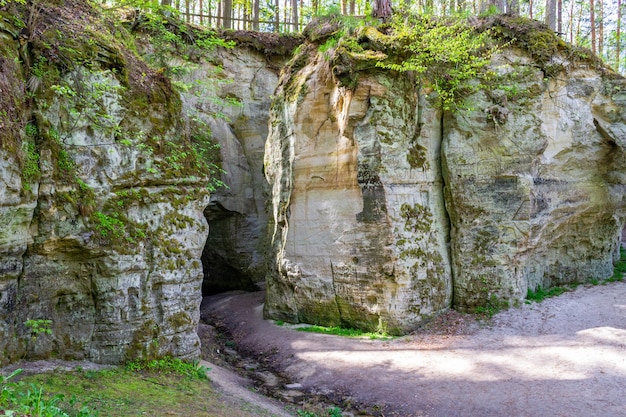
[(225, 262)]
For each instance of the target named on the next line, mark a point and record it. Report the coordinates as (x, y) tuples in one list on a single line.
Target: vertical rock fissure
[(446, 212), (335, 296)]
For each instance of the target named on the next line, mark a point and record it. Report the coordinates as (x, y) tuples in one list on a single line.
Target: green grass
[(492, 306), (541, 294), (169, 365), (340, 331), (156, 388), (330, 412)]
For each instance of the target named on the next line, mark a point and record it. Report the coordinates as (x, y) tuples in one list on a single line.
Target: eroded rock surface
[(388, 211), (361, 228), (535, 199), (235, 254), (101, 216)]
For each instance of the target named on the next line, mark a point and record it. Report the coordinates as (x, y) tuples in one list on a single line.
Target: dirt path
[(563, 357)]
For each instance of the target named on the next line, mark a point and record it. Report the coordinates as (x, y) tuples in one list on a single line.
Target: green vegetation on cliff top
[(447, 56)]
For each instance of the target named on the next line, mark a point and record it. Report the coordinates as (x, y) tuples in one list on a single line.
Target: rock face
[(381, 209), (234, 257), (101, 217), (387, 210), (361, 230), (108, 175), (536, 199)]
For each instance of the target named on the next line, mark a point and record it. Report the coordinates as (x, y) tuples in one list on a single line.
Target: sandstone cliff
[(389, 208), (103, 185), (112, 131), (382, 208)]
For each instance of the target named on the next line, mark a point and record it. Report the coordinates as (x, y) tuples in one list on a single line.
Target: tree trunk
[(571, 22), (530, 8), (600, 28), (618, 35), (498, 4), (294, 15), (559, 17), (227, 12), (428, 7), (592, 22), (460, 6), (580, 18), (551, 14), (255, 15), (513, 7), (381, 9), (276, 15)]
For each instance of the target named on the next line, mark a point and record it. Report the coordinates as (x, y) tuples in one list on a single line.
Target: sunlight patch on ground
[(589, 353)]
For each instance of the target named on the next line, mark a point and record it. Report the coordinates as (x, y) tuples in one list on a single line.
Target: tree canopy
[(593, 24)]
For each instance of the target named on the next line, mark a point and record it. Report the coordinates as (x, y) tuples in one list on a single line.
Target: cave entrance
[(229, 259)]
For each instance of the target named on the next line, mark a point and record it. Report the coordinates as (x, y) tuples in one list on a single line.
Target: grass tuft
[(169, 365), (541, 294), (340, 331)]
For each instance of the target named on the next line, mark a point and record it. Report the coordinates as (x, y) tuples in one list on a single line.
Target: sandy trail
[(563, 357)]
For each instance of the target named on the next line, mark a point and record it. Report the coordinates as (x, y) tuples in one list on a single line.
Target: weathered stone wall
[(235, 252), (383, 210), (101, 217), (360, 230), (387, 211), (529, 195)]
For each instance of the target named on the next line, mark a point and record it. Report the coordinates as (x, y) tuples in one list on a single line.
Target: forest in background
[(593, 24)]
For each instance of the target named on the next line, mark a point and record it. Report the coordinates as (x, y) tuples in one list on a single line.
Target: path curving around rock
[(565, 356)]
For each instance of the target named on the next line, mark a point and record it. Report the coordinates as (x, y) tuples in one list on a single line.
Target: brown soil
[(565, 356)]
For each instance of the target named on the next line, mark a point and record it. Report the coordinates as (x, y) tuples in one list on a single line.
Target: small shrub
[(39, 326), (334, 412), (30, 168)]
